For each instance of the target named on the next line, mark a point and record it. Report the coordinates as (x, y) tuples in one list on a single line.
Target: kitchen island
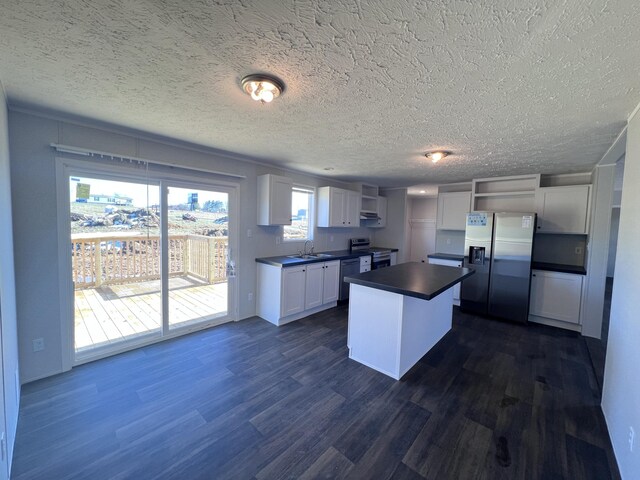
[(397, 314)]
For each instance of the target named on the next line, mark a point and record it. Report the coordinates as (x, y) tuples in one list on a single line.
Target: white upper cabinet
[(382, 213), (338, 207), (352, 209), (274, 200), (563, 209), (452, 210)]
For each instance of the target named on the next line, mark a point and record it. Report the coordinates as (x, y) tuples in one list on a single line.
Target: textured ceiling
[(509, 87)]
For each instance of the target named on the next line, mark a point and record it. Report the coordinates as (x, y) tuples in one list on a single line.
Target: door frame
[(68, 167), (232, 286)]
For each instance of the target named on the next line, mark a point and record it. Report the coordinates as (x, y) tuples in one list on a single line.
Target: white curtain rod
[(114, 156)]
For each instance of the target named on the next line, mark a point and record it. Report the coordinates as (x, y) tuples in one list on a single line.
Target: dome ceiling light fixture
[(437, 155), (262, 88)]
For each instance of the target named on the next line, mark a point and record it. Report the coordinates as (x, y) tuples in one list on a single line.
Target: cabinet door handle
[(533, 274)]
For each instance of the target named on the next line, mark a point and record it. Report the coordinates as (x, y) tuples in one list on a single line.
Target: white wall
[(596, 258), (8, 326), (395, 234), (613, 241), (33, 188), (621, 390), (423, 208), (450, 241), (558, 248)]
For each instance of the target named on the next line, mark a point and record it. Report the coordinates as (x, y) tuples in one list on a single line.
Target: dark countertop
[(414, 279), (550, 267), (285, 261), (558, 267), (447, 256)]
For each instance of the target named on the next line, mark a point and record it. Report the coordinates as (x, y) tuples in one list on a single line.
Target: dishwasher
[(347, 267)]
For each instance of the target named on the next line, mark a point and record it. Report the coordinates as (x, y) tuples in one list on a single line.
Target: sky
[(138, 192)]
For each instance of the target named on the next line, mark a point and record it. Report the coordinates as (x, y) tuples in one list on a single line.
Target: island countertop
[(414, 279)]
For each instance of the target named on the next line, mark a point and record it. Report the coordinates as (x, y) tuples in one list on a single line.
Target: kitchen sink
[(311, 256)]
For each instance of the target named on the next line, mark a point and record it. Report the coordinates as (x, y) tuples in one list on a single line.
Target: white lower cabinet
[(313, 285), (321, 284), (293, 290), (286, 294), (450, 263), (331, 282), (556, 295)]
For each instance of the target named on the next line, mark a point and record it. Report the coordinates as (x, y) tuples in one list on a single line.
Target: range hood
[(369, 216)]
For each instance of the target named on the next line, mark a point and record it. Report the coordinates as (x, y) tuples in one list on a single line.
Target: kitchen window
[(301, 228)]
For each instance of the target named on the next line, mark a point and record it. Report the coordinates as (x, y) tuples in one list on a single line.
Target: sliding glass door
[(115, 262), (150, 258), (198, 224)]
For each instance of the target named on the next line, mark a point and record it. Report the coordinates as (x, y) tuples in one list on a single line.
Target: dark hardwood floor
[(250, 400), (598, 347)]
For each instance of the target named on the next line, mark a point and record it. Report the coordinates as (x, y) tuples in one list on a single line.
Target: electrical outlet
[(250, 296), (448, 241), (249, 233), (578, 250), (38, 344), (331, 238), (632, 437)]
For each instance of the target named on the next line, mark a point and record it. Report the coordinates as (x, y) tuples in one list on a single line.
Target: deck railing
[(108, 260)]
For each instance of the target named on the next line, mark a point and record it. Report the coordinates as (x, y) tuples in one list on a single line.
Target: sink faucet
[(305, 247)]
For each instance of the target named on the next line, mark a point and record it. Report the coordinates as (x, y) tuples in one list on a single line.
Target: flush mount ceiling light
[(436, 156), (262, 88)]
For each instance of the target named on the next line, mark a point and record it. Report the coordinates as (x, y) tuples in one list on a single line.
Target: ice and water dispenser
[(476, 255)]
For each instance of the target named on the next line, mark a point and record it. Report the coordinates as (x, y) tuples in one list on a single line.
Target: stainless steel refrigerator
[(498, 246)]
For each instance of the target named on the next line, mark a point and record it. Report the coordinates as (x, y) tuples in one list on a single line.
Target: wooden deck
[(112, 314)]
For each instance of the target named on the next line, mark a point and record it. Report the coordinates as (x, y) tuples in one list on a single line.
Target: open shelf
[(506, 185), (505, 194), (370, 191)]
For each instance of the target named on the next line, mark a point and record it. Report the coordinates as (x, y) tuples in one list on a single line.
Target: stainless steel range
[(380, 257)]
